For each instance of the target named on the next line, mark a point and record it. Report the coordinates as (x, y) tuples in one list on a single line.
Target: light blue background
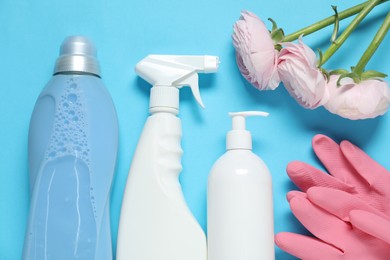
[(127, 31)]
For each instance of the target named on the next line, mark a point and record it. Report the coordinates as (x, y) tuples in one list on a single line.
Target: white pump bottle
[(155, 221), (240, 211)]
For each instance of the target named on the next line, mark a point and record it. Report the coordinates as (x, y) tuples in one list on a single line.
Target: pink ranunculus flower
[(367, 99), (255, 52), (299, 73)]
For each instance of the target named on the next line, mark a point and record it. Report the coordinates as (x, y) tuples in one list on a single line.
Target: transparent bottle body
[(73, 142)]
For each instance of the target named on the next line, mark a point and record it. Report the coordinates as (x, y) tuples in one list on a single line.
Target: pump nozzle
[(239, 137), (168, 73)]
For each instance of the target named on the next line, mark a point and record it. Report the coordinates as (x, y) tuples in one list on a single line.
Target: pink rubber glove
[(371, 224), (350, 169), (350, 208), (335, 240)]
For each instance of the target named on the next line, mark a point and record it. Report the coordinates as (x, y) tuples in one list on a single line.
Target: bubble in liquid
[(69, 135), (52, 154), (72, 98)]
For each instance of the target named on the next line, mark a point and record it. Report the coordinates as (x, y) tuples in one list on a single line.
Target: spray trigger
[(193, 82), (169, 73)]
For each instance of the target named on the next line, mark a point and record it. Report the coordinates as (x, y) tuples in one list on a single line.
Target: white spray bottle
[(239, 210), (155, 221)]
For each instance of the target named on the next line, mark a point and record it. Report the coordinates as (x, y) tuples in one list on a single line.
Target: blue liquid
[(73, 143), (64, 205)]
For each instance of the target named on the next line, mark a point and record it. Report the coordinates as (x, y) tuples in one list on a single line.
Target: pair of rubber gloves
[(348, 210)]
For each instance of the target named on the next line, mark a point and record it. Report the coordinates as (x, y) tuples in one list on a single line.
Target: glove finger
[(371, 224), (305, 247), (329, 153), (320, 223), (338, 203), (305, 176), (371, 171), (294, 193)]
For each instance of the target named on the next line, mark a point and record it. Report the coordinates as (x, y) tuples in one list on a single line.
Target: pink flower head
[(300, 75), (367, 99), (255, 52)]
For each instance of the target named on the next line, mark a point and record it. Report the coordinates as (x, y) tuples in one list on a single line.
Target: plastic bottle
[(155, 221), (240, 211), (73, 142)]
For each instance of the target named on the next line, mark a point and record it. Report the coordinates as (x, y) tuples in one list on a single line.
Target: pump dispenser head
[(77, 55), (169, 73), (240, 138)]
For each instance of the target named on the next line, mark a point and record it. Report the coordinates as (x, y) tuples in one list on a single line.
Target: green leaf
[(339, 72), (325, 73), (369, 74), (320, 59), (277, 36), (336, 24), (274, 25), (351, 75)]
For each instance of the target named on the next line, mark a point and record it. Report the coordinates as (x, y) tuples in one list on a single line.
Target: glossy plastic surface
[(73, 142), (240, 211)]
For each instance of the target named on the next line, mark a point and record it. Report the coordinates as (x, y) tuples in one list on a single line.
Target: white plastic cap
[(239, 137), (164, 99)]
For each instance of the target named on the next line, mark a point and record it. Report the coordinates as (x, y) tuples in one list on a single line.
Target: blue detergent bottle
[(73, 143)]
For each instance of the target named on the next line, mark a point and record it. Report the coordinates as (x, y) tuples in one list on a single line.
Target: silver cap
[(77, 55)]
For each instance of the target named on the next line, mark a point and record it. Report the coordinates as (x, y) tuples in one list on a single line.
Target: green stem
[(351, 27), (378, 38), (327, 21)]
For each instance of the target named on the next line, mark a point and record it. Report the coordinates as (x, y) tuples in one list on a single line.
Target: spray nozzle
[(239, 137), (168, 73)]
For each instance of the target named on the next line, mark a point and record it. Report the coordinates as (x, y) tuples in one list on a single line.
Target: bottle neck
[(77, 64), (78, 73), (238, 140), (164, 99), (169, 110)]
